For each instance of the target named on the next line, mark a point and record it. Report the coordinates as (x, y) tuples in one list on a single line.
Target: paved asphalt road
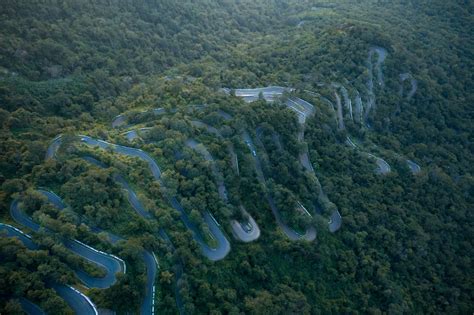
[(247, 231), (110, 263), (214, 254), (78, 302), (310, 234), (30, 308)]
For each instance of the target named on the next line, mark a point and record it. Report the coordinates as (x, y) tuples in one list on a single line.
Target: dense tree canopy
[(405, 246)]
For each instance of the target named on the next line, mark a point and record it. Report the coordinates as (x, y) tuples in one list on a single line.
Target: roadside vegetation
[(70, 67)]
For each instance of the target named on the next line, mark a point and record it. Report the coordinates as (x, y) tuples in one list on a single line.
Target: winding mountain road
[(347, 100), (270, 93), (413, 83), (340, 116), (147, 305), (303, 110), (12, 231), (414, 168), (110, 263), (217, 133), (381, 55), (213, 254), (30, 308), (244, 231), (382, 166), (78, 302), (135, 133), (122, 119), (310, 234), (335, 220)]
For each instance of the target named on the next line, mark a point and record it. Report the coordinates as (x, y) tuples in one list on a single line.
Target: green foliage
[(26, 273), (69, 67)]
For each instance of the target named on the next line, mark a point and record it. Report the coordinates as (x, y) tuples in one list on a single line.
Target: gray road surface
[(30, 308), (79, 303), (413, 83), (414, 168), (147, 305), (310, 234), (110, 263), (245, 231), (214, 254)]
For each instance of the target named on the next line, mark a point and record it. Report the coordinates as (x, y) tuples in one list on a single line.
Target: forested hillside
[(236, 157)]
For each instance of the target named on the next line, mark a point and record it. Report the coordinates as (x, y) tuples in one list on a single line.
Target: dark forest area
[(236, 157)]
